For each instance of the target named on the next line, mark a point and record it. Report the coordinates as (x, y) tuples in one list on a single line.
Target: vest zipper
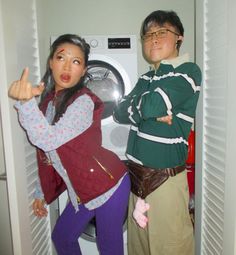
[(103, 168)]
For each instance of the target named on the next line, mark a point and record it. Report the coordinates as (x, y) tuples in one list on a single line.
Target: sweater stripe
[(158, 139), (133, 159), (185, 117), (166, 100), (172, 74), (140, 102), (130, 114)]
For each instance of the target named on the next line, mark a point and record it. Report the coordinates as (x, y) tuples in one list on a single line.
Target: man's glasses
[(160, 33)]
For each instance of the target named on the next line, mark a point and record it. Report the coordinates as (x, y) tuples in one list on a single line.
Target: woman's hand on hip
[(23, 90)]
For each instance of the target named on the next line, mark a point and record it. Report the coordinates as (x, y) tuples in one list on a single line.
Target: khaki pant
[(169, 230)]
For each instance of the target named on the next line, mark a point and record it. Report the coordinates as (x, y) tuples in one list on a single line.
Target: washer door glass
[(106, 82)]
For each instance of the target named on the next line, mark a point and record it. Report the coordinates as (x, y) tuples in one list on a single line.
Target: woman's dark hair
[(161, 17), (65, 94)]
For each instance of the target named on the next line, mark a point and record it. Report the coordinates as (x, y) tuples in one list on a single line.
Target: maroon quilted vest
[(92, 169)]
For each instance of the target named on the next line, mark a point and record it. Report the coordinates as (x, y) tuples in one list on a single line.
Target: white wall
[(106, 17)]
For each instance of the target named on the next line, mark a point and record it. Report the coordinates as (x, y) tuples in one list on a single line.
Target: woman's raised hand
[(23, 90)]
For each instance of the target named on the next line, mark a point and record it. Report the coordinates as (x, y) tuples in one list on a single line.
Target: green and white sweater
[(172, 89)]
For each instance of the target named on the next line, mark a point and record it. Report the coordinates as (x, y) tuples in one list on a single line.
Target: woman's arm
[(77, 118)]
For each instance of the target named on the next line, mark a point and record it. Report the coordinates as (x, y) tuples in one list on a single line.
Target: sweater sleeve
[(38, 194), (168, 98), (77, 118), (126, 111)]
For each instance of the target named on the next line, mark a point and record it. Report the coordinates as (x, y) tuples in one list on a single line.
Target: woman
[(66, 130)]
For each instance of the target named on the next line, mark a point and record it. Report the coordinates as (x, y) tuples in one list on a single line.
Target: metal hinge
[(3, 177)]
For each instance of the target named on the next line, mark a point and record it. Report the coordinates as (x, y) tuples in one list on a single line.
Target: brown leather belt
[(144, 179), (174, 170), (171, 171)]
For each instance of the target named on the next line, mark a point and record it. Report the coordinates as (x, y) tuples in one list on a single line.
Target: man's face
[(159, 43)]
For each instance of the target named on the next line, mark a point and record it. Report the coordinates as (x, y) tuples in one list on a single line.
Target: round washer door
[(108, 80)]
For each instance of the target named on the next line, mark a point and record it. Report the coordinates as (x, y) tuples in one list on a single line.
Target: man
[(161, 109)]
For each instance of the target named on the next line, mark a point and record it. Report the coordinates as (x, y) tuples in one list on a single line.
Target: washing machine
[(112, 73)]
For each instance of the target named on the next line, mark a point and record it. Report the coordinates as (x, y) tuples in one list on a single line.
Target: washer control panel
[(119, 43)]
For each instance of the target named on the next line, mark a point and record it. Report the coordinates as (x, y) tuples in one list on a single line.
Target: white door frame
[(7, 142)]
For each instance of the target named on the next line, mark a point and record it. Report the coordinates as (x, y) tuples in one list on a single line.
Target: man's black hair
[(161, 17)]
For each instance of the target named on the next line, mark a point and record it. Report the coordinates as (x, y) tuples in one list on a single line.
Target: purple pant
[(109, 223)]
